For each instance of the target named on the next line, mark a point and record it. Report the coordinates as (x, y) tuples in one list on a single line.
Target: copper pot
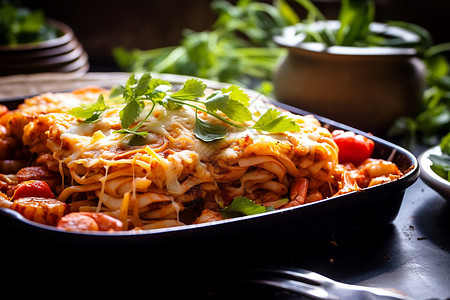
[(364, 87)]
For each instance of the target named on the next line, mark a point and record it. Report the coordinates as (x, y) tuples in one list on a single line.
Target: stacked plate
[(63, 54)]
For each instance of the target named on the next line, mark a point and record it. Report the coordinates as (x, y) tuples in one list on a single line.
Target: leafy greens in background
[(433, 120), (238, 49), (19, 25)]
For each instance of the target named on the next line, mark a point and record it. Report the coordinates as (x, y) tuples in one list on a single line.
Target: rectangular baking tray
[(313, 222)]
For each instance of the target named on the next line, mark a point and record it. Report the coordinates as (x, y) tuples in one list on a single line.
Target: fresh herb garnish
[(272, 122), (90, 113), (138, 94), (242, 206), (232, 101), (193, 89), (208, 132)]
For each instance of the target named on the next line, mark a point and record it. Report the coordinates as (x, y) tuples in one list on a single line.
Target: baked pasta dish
[(150, 154)]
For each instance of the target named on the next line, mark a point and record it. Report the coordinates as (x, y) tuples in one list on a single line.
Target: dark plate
[(315, 222), (47, 64), (30, 56)]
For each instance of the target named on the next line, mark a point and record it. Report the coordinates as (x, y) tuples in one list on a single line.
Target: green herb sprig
[(243, 206), (137, 94)]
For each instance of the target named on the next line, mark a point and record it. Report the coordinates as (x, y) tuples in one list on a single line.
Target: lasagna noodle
[(147, 186)]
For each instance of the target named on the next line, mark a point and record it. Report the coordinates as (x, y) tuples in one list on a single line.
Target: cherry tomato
[(32, 188), (353, 148)]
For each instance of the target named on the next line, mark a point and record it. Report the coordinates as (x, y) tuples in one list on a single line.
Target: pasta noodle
[(172, 178)]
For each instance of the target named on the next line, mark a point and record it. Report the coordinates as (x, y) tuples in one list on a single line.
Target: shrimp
[(348, 179), (208, 216), (313, 196), (42, 210), (377, 171), (369, 173), (89, 221), (299, 190)]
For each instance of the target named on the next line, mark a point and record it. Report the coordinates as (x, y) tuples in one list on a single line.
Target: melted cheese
[(130, 180)]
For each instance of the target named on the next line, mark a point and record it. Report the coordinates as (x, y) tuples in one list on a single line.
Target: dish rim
[(427, 174)]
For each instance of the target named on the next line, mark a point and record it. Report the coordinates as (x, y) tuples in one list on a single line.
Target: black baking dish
[(369, 208)]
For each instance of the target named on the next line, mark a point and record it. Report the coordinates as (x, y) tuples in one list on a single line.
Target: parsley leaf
[(90, 113), (116, 91), (129, 87), (242, 206), (238, 94), (159, 89), (208, 132), (142, 86), (272, 122), (191, 90), (130, 113), (232, 102)]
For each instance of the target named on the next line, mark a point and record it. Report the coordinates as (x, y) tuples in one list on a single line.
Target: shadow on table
[(431, 221)]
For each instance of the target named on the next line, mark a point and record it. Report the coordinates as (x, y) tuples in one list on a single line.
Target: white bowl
[(433, 180)]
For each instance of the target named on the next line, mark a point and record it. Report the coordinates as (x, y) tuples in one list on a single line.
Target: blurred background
[(101, 25)]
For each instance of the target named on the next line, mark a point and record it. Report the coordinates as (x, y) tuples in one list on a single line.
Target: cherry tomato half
[(353, 148), (32, 188)]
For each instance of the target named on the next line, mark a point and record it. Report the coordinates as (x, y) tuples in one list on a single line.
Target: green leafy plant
[(432, 121), (237, 49), (229, 105), (354, 28), (239, 46), (19, 25)]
